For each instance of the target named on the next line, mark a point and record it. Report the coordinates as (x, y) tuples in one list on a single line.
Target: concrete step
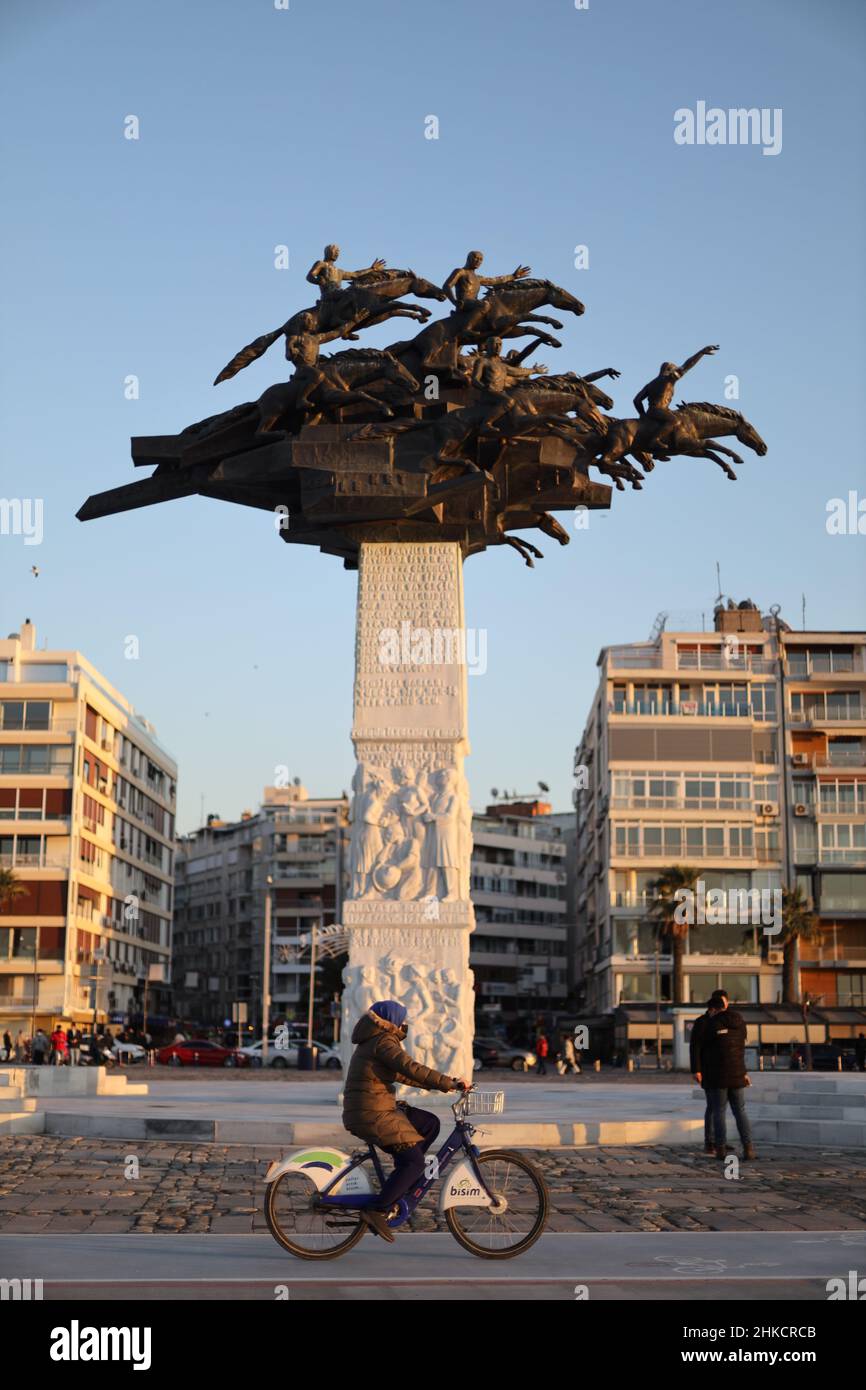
[(831, 1134), (62, 1082), (817, 1100), (22, 1122), (809, 1112), (9, 1104), (285, 1133)]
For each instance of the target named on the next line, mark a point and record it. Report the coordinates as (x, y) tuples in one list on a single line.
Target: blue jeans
[(718, 1103), (409, 1162)]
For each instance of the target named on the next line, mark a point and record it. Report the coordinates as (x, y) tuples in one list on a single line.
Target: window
[(764, 702), (25, 714), (841, 843), (42, 671), (840, 798), (671, 841), (34, 757), (851, 989)]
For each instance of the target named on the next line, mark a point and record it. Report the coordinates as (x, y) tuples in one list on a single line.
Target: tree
[(668, 911), (799, 923), (10, 889)]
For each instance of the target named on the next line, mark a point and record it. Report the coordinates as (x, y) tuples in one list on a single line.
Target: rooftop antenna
[(804, 611), (719, 584)]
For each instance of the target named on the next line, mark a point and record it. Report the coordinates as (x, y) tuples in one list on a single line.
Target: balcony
[(59, 724), (814, 714), (838, 757), (800, 666), (46, 860), (683, 803), (721, 660), (703, 709)]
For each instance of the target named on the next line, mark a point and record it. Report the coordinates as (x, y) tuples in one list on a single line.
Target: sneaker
[(378, 1224)]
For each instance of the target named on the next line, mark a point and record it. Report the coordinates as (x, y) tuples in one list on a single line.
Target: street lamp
[(266, 972)]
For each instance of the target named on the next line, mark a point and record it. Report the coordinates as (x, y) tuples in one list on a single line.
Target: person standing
[(39, 1047), (542, 1049), (7, 1046), (58, 1047), (567, 1059), (73, 1042), (721, 1059), (21, 1046), (860, 1051), (698, 1030)]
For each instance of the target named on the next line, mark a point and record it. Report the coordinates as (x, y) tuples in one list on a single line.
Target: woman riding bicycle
[(372, 1112)]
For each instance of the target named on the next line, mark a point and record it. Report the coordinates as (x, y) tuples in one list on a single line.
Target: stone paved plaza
[(53, 1184)]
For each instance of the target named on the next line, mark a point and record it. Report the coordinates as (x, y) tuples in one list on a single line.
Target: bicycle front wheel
[(517, 1216), (303, 1227)]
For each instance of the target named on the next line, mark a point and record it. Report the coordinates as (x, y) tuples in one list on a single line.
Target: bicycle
[(495, 1202)]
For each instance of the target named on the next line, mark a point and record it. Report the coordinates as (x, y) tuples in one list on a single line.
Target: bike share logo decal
[(326, 1159), (464, 1188)]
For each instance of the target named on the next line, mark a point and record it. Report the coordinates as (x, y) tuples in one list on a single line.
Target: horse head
[(597, 396), (402, 374), (748, 435), (425, 289), (559, 298)]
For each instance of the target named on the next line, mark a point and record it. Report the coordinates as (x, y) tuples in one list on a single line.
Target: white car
[(128, 1051), (287, 1055)]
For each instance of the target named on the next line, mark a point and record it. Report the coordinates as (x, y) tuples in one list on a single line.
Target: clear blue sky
[(261, 127)]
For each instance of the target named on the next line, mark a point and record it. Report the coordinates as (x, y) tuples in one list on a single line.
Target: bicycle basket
[(485, 1102)]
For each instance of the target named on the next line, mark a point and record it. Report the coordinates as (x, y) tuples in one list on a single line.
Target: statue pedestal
[(408, 913)]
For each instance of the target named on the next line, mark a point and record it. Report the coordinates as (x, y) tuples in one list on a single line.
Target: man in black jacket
[(719, 1063), (698, 1032)]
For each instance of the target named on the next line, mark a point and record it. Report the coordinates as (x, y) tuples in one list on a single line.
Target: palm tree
[(10, 888), (799, 923), (668, 912)]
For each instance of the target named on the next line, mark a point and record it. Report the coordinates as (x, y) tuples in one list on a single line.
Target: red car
[(201, 1053)]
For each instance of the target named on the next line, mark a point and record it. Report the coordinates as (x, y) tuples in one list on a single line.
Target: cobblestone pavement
[(53, 1183)]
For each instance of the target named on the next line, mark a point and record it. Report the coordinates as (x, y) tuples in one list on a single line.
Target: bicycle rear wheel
[(515, 1221), (304, 1228)]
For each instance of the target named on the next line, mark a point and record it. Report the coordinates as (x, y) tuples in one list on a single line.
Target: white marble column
[(408, 911)]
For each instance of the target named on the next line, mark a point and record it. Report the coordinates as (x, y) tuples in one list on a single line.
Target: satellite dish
[(296, 781), (544, 787), (494, 791)]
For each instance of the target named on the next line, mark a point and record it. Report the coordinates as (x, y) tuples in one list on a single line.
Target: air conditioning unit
[(768, 808), (800, 760), (800, 809), (108, 744), (775, 957)]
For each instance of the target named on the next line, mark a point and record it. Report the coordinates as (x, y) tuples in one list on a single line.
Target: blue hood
[(391, 1011)]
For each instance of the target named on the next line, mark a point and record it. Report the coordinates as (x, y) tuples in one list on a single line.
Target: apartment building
[(87, 808), (740, 752), (519, 887), (294, 846)]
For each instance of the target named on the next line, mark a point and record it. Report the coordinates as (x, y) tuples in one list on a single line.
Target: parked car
[(128, 1052), (200, 1052), (517, 1058), (483, 1055), (287, 1056)]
